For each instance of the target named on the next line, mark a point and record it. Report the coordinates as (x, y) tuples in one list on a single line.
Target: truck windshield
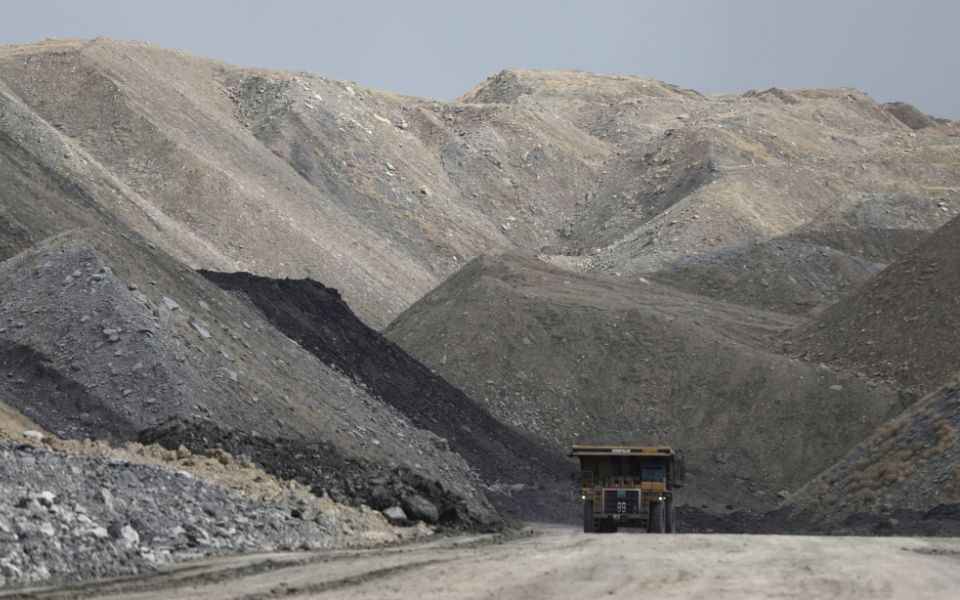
[(652, 474)]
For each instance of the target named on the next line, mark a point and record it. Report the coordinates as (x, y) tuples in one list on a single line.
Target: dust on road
[(564, 563)]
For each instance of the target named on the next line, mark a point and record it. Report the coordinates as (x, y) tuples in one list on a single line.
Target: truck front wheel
[(658, 521), (589, 523), (671, 514)]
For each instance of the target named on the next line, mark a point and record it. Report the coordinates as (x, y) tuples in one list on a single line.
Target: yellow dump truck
[(629, 486)]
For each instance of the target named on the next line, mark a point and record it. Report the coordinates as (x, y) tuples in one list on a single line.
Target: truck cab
[(629, 486)]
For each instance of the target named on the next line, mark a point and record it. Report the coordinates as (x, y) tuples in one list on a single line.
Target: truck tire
[(658, 521), (589, 523), (671, 514)]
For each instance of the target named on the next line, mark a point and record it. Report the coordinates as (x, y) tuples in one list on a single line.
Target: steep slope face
[(779, 275), (158, 124), (443, 181), (318, 319), (102, 339), (693, 172), (904, 325), (291, 174), (384, 196), (912, 463), (590, 357), (48, 184)]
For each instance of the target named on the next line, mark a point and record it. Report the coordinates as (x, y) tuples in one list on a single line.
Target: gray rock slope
[(903, 325), (102, 338), (68, 517), (591, 357), (780, 275), (383, 196)]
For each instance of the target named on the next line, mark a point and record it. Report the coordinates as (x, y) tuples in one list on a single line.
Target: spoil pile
[(781, 276), (318, 319), (903, 325), (587, 357), (125, 167), (101, 338)]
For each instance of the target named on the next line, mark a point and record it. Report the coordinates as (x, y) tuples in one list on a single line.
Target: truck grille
[(621, 501)]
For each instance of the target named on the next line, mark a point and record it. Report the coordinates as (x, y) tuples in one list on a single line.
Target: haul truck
[(629, 486)]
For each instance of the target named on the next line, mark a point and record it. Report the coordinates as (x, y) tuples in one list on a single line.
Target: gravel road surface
[(563, 563)]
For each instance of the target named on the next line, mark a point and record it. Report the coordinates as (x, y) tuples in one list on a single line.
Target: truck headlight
[(583, 497)]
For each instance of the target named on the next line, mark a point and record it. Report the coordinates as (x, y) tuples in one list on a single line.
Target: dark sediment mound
[(318, 319), (40, 391), (904, 325), (328, 471)]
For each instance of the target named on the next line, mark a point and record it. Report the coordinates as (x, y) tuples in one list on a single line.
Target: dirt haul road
[(563, 563)]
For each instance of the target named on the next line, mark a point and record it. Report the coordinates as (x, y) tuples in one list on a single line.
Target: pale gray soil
[(563, 563)]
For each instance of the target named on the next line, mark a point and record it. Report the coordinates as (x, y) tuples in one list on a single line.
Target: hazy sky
[(896, 50)]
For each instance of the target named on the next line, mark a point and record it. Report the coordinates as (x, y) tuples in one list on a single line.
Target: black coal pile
[(516, 469)]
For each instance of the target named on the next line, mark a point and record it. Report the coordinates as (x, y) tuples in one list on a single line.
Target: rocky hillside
[(382, 196), (102, 338), (585, 357), (680, 238), (78, 510), (693, 173), (903, 325)]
